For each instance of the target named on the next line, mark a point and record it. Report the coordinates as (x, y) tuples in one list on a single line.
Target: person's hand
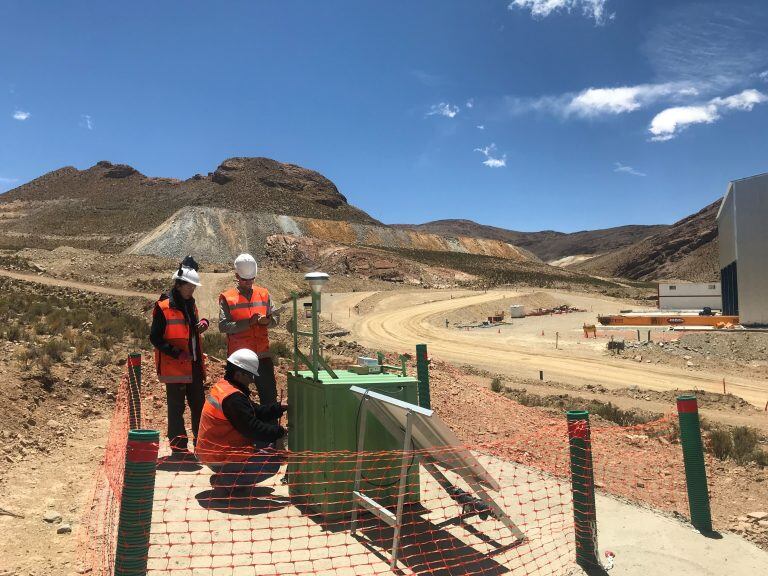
[(253, 320), (280, 431), (202, 326), (264, 320)]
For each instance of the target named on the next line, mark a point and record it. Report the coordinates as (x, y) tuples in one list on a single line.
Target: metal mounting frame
[(360, 500)]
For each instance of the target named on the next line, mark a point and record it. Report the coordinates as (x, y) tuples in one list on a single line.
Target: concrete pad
[(193, 533), (648, 543)]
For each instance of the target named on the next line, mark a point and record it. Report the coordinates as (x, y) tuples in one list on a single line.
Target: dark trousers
[(177, 394), (262, 465), (266, 385)]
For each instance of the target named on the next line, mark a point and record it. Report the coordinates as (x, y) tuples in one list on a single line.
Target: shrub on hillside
[(281, 349), (215, 344), (55, 348), (744, 443), (721, 444), (13, 333)]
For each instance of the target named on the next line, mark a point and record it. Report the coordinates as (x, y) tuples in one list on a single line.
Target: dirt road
[(402, 319), (48, 281), (206, 296)]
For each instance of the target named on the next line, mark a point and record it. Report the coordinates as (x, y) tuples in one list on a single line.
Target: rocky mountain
[(687, 250), (116, 199), (547, 245), (218, 235)]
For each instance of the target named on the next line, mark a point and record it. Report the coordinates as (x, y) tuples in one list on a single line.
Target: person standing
[(179, 359), (246, 313), (237, 440)]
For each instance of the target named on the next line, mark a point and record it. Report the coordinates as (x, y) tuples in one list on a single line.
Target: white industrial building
[(743, 240), (516, 311), (689, 296)]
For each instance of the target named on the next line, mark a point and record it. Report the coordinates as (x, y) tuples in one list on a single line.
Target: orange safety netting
[(290, 512)]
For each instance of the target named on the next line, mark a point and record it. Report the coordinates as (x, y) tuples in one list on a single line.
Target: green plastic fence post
[(380, 358), (693, 457), (134, 390), (295, 326), (136, 503), (583, 488), (422, 373)]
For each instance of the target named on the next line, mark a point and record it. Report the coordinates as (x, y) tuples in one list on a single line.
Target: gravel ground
[(733, 351)]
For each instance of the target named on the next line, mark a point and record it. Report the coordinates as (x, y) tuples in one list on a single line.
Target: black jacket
[(248, 418), (157, 330)]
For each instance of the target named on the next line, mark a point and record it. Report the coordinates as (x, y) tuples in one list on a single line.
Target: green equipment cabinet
[(323, 422)]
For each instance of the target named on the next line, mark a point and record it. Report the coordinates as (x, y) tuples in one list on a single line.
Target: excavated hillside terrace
[(217, 234)]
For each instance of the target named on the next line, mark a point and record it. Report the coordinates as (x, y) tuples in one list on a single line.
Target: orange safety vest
[(171, 370), (254, 337), (218, 442)]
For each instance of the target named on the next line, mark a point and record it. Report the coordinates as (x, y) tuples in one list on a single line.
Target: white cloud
[(443, 109), (490, 160), (594, 102), (716, 44), (480, 126), (668, 123), (594, 9), (599, 101), (744, 101), (21, 115), (470, 103), (763, 76), (496, 162), (86, 121), (623, 168)]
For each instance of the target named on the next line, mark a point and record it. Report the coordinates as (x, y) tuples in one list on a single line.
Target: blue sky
[(524, 114)]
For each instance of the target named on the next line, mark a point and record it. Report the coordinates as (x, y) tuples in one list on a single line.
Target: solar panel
[(430, 436), (435, 445)]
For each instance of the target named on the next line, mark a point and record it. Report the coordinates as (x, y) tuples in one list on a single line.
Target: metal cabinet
[(323, 419)]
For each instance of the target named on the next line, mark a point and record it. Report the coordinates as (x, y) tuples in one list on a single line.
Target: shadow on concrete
[(425, 548), (249, 501), (179, 462), (594, 571)]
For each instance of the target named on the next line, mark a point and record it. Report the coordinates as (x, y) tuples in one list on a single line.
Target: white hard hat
[(246, 359), (187, 275), (246, 267)]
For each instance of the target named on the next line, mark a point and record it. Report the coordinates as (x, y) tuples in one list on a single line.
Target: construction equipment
[(673, 319)]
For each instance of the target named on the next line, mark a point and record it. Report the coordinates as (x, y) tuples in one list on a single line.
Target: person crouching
[(236, 437)]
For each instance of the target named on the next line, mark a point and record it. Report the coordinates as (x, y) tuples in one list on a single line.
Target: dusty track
[(48, 281), (397, 324)]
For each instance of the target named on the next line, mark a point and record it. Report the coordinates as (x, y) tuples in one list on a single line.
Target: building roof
[(730, 189), (722, 203)]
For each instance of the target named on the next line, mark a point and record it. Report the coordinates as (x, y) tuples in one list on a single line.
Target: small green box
[(323, 421)]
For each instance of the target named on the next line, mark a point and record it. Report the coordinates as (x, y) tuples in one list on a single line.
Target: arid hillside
[(118, 201), (218, 235), (687, 250), (547, 245)]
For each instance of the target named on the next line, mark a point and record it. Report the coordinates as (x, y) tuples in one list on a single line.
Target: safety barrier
[(296, 519)]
